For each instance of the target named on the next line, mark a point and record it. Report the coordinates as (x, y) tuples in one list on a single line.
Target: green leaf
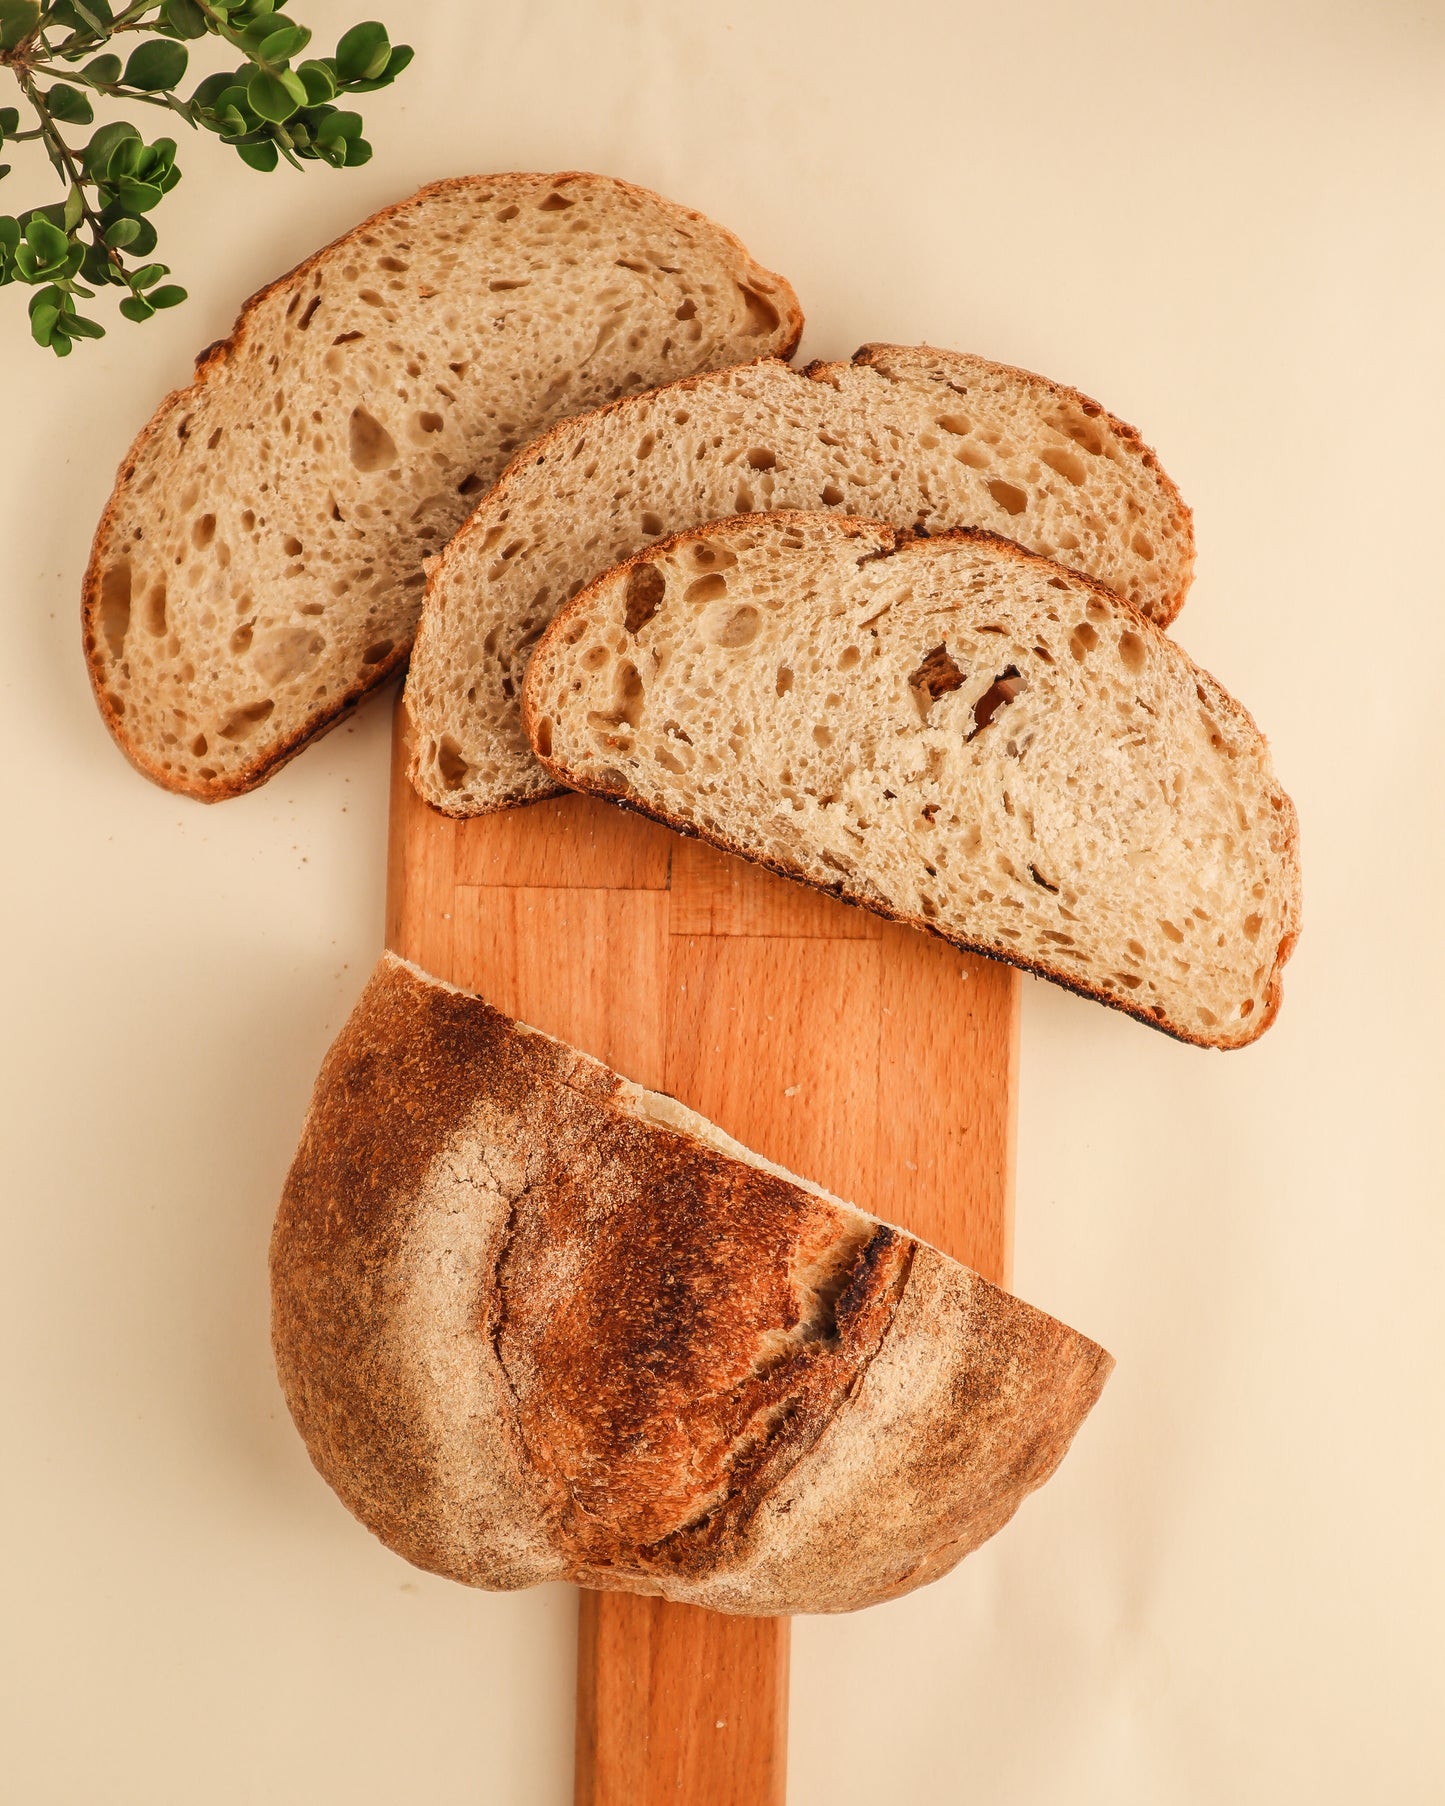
[(275, 97), (137, 308), (143, 241), (149, 276), (212, 88), (80, 328), (363, 53), (69, 105), (105, 147), (74, 209), (104, 70), (9, 122), (263, 156), (280, 46), (18, 18), (47, 241), (124, 232), (395, 63), (185, 18), (358, 151), (320, 82), (169, 296), (137, 197), (159, 64), (10, 234)]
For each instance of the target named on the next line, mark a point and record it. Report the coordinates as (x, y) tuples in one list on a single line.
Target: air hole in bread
[(651, 523), (554, 203), (243, 722), (1082, 641), (1131, 651), (848, 657), (730, 627), (469, 485), (595, 657), (762, 459), (762, 316), (1174, 934), (832, 494), (155, 613), (427, 422), (115, 606), (783, 685), (286, 652), (1068, 464), (823, 734), (687, 310), (1009, 496), (1081, 431), (372, 447), (936, 676), (1000, 693), (311, 306), (628, 700), (1144, 546), (706, 589), (1252, 926), (292, 546), (500, 284), (374, 654), (450, 763), (646, 586), (508, 212), (542, 735)]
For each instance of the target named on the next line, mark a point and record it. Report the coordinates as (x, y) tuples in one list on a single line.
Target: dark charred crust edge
[(899, 542), (220, 353)]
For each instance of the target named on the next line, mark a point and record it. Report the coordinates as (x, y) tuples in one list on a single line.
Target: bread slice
[(916, 437), (258, 569), (952, 732), (536, 1323)]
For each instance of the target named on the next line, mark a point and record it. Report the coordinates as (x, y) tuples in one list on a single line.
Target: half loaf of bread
[(914, 436), (258, 568), (536, 1323), (952, 732)]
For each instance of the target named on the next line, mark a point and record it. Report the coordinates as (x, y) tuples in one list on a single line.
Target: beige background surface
[(1223, 220)]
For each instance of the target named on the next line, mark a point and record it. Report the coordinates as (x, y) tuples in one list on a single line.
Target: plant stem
[(63, 160)]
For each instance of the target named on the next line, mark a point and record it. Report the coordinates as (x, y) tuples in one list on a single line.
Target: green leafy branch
[(270, 107)]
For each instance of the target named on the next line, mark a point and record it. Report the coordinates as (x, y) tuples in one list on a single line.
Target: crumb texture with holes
[(259, 566), (913, 436), (951, 731), (536, 1323)]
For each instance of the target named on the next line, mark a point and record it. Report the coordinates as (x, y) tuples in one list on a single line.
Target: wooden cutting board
[(862, 1055)]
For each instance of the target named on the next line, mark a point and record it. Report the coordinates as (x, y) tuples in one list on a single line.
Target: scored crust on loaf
[(534, 1323), (911, 435), (258, 569), (952, 732)]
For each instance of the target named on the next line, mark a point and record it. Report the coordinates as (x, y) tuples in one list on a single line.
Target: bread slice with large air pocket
[(535, 1323), (910, 435), (951, 731), (258, 569)]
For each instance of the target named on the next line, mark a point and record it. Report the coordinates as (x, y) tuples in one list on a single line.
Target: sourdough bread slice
[(913, 436), (536, 1323), (952, 732), (258, 568)]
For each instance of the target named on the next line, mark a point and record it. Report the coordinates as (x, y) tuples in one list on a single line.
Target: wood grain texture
[(876, 1061)]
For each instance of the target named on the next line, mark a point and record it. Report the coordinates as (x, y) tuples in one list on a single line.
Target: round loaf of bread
[(536, 1323)]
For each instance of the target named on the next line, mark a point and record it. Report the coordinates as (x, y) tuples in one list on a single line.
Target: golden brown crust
[(529, 1331), (208, 364), (900, 539)]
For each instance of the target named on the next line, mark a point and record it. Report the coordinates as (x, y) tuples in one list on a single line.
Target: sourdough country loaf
[(911, 435), (536, 1323), (950, 731), (258, 568)]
